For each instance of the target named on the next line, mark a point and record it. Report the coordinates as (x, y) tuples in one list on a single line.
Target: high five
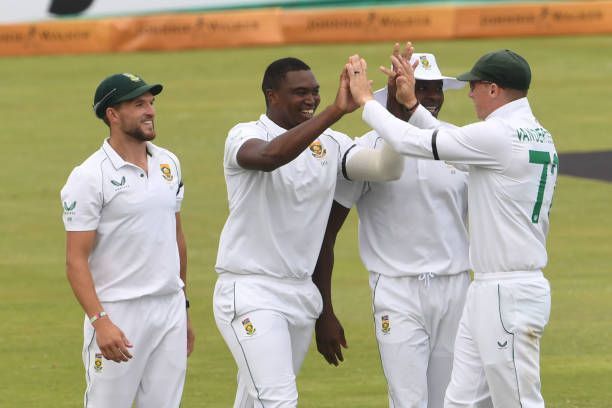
[(512, 173)]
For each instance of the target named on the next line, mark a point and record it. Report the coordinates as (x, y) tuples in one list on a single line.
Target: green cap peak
[(119, 88)]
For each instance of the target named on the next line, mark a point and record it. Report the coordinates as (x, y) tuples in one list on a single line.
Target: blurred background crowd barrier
[(40, 27)]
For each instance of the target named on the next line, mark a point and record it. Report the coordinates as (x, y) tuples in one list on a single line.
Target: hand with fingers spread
[(361, 87), (330, 338), (403, 73), (393, 106), (112, 342)]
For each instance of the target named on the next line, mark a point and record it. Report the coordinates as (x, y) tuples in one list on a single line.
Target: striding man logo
[(317, 149), (248, 327)]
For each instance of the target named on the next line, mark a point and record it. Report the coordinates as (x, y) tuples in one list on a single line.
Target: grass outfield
[(47, 128)]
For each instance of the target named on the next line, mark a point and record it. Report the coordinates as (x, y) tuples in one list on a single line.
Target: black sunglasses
[(473, 84)]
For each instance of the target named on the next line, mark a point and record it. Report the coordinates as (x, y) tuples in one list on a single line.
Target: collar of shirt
[(274, 129), (510, 108), (117, 161)]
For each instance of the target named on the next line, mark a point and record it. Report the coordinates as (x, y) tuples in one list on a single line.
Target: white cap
[(427, 70)]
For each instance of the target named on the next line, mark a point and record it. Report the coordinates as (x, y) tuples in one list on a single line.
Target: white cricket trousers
[(416, 320), (154, 377), (267, 324), (497, 350)]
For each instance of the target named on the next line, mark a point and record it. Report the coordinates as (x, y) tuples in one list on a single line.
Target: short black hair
[(276, 71)]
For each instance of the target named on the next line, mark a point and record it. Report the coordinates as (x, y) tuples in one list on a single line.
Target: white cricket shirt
[(513, 170), (135, 252), (413, 225), (277, 219)]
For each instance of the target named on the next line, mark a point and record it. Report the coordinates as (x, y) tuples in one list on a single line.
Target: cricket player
[(414, 243), (281, 173), (513, 168), (126, 255)]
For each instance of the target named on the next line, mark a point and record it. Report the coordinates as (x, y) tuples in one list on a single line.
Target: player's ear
[(111, 114), (494, 90), (271, 96)]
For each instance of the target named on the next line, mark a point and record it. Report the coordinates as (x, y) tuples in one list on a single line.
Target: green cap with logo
[(504, 67), (119, 88)]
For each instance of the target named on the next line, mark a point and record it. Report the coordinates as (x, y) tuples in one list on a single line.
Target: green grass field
[(47, 128)]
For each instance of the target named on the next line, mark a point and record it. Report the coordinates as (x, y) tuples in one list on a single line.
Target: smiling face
[(430, 95), (295, 100), (135, 118)]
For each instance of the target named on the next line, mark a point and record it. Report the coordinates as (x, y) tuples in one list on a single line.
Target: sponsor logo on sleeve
[(69, 210)]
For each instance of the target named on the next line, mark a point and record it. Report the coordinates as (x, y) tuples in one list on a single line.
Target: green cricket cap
[(119, 88), (503, 67)]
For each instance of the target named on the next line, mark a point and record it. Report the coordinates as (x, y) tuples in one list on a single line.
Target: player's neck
[(131, 150)]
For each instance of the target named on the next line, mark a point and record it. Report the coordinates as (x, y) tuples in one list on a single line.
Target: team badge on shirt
[(166, 172), (98, 364), (424, 62), (317, 149), (248, 327), (385, 325)]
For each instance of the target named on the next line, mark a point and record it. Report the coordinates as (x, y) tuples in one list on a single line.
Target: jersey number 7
[(543, 158)]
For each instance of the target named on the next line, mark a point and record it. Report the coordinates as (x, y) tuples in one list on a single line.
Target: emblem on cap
[(424, 62), (132, 77)]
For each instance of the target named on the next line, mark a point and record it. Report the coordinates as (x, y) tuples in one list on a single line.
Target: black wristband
[(413, 108), (186, 303)]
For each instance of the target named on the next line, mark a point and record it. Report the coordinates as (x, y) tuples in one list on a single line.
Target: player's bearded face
[(430, 95), (137, 118), (296, 100)]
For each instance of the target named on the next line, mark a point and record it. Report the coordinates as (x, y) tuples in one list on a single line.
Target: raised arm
[(257, 154), (329, 332)]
